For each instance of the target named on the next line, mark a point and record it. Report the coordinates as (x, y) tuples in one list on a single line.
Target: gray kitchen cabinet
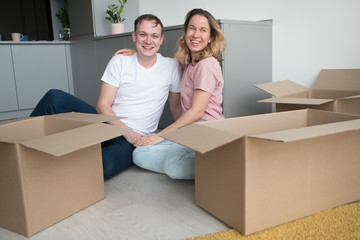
[(38, 69), (28, 70), (168, 49), (83, 58), (171, 36), (247, 61), (8, 95)]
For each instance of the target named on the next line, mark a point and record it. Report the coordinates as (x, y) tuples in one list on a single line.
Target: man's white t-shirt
[(142, 92)]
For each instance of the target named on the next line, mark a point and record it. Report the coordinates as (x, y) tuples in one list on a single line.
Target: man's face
[(148, 38)]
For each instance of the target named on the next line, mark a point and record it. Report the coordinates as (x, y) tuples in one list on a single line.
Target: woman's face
[(198, 34)]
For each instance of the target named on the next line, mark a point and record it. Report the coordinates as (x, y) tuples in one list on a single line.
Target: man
[(135, 87)]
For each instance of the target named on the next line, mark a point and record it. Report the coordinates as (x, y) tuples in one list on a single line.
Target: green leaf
[(115, 11)]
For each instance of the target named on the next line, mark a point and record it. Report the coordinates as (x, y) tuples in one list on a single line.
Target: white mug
[(17, 36)]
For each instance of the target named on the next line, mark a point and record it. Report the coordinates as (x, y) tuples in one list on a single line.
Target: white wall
[(308, 35)]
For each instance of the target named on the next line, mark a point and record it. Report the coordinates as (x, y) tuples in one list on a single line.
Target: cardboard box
[(259, 171), (51, 168), (335, 90)]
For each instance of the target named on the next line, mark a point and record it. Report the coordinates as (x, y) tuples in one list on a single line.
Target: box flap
[(201, 138), (7, 140), (20, 130), (4, 122), (85, 117), (302, 101), (351, 97), (75, 139), (310, 132), (338, 79), (282, 88)]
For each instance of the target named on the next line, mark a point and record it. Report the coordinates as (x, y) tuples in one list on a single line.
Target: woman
[(199, 52)]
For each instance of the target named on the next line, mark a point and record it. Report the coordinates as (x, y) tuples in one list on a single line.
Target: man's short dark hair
[(148, 17)]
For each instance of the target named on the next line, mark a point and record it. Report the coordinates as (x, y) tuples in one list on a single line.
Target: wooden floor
[(139, 204)]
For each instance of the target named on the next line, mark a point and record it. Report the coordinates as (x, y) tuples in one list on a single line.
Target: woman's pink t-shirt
[(205, 75)]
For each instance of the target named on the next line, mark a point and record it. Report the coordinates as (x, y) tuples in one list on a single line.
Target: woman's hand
[(132, 137), (150, 139), (126, 52)]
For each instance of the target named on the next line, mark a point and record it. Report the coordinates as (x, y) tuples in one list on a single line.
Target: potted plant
[(63, 16), (114, 16)]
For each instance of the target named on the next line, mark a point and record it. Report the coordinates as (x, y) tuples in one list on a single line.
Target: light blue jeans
[(167, 157)]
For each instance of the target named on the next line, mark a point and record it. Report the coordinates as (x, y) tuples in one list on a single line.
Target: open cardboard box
[(51, 168), (335, 90), (259, 171)]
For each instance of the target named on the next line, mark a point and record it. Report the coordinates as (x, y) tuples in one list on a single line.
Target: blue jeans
[(116, 152), (172, 159)]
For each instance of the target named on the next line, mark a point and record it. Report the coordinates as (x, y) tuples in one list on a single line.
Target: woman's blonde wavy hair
[(214, 49)]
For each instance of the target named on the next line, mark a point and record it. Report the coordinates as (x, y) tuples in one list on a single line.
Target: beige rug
[(338, 223)]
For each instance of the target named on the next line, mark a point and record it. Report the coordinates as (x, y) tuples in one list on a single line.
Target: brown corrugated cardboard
[(259, 171), (335, 90), (51, 168)]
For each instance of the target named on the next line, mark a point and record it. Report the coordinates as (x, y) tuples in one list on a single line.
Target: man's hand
[(150, 139), (132, 137), (125, 52)]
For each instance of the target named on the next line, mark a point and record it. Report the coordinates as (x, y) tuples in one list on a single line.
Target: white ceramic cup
[(17, 36)]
